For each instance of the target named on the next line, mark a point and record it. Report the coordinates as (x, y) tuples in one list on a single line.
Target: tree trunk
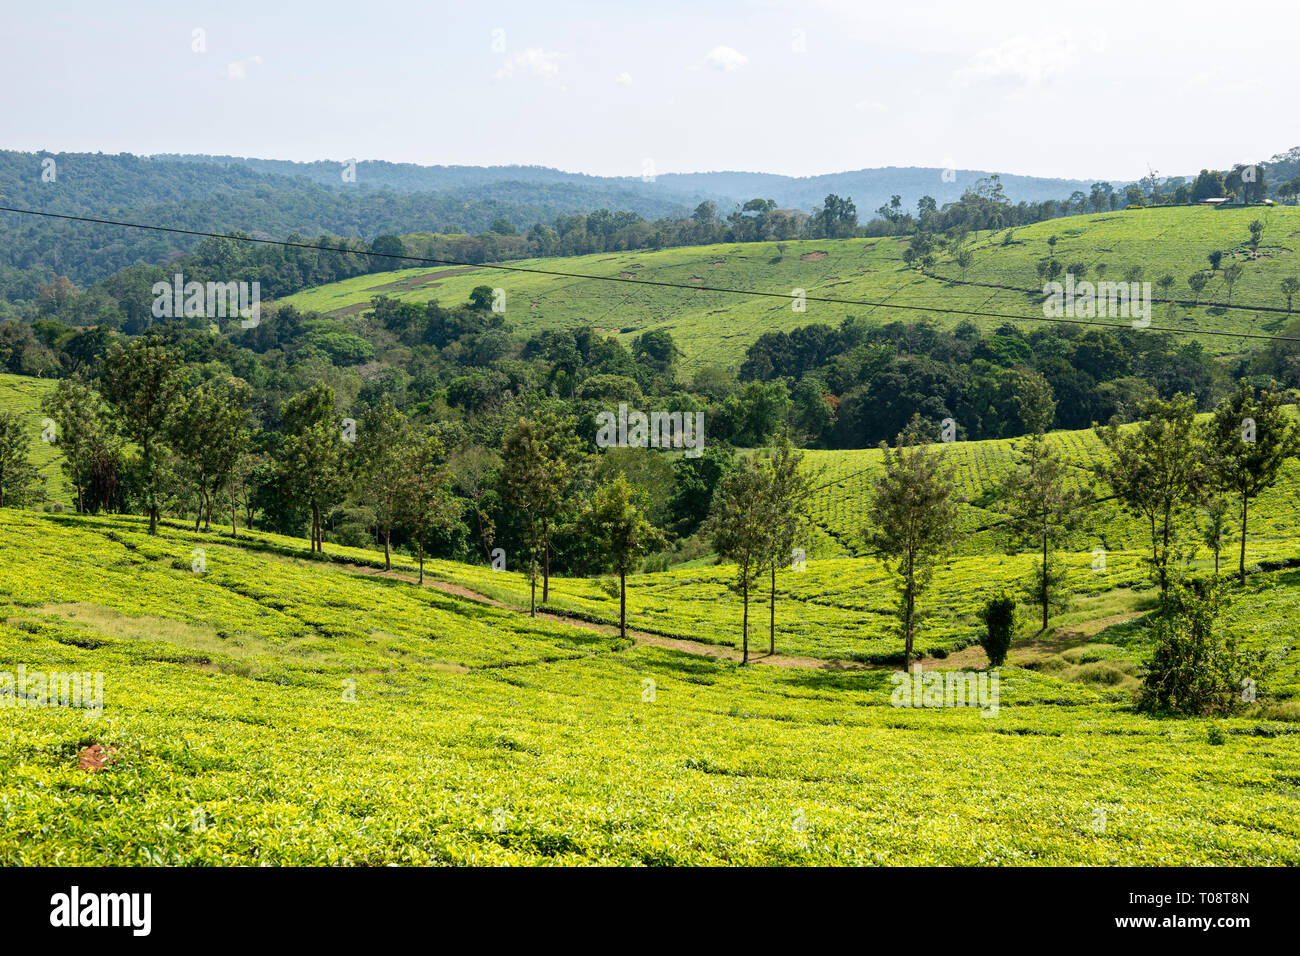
[(234, 515), (1241, 568), (1044, 594), (771, 624), (152, 480), (622, 604), (908, 608), (532, 576), (744, 629), (388, 540), (420, 550), (546, 571), (907, 627)]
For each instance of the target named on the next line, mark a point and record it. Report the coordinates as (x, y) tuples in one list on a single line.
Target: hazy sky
[(1046, 88)]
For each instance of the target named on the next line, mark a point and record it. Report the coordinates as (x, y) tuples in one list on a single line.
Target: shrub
[(999, 616), (1194, 668)]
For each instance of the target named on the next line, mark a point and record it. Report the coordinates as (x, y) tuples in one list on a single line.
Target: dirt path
[(698, 648)]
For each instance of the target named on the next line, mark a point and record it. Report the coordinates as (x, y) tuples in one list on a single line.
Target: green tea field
[(22, 396), (715, 327), (260, 707)]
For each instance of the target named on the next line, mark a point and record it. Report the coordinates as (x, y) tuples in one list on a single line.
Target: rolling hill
[(715, 327)]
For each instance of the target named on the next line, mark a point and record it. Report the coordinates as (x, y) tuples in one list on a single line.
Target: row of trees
[(198, 436), (1165, 469), (760, 511)]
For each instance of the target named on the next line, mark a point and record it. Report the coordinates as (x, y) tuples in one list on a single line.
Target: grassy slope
[(482, 736), (716, 327), (23, 396)]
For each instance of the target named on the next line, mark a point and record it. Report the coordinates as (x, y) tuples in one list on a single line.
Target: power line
[(425, 260)]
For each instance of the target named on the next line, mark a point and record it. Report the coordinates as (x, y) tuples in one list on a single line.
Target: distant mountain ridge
[(277, 198), (869, 188)]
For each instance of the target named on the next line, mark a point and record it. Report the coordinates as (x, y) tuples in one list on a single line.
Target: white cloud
[(239, 69), (725, 58), (1029, 60), (534, 61), (870, 106), (623, 79)]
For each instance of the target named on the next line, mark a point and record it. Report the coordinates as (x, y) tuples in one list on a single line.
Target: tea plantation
[(264, 708)]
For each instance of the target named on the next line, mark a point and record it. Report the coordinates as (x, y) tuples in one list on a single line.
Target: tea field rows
[(715, 328), (272, 710)]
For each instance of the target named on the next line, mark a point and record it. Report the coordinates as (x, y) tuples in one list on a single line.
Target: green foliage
[(1194, 668), (912, 522), (1043, 508), (142, 382), (1156, 470), (208, 430), (1047, 586), (999, 617), (618, 529), (543, 470), (91, 450), (19, 480), (313, 465), (224, 691), (694, 482), (1247, 440), (739, 532), (423, 500)]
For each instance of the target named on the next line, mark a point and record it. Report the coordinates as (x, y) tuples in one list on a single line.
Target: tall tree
[(622, 534), (19, 479), (1231, 274), (1290, 286), (382, 455), (542, 467), (313, 460), (1247, 440), (786, 511), (1214, 527), (86, 435), (739, 532), (142, 382), (1155, 469), (1042, 508), (475, 474), (209, 433), (912, 521), (425, 500)]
